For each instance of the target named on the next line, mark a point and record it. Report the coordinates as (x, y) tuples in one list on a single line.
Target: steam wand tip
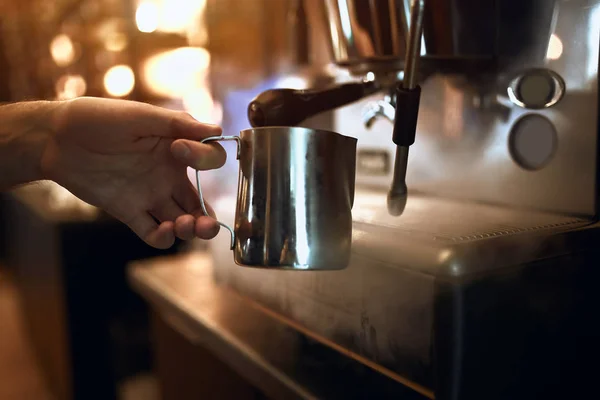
[(397, 196), (396, 201)]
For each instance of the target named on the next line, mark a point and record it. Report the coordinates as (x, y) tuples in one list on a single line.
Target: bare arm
[(125, 157), (24, 132)]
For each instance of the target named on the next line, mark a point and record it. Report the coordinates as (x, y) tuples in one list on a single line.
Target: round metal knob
[(532, 142), (536, 89)]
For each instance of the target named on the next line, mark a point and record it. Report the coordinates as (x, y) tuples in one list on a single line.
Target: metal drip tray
[(445, 237), (431, 218)]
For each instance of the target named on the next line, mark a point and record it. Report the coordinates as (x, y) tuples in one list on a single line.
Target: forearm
[(24, 131)]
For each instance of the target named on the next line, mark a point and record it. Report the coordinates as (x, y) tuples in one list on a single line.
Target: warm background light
[(555, 48), (174, 73), (200, 105), (62, 50), (119, 81), (147, 17), (115, 42), (178, 15), (70, 86), (172, 16)]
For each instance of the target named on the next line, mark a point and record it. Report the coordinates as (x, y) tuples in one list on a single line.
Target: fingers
[(211, 212), (187, 197), (187, 227), (167, 211), (158, 236), (197, 224), (163, 237), (206, 227), (199, 156), (184, 215), (188, 200), (184, 227), (184, 126)]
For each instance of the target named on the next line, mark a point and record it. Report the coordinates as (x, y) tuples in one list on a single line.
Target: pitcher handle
[(216, 139)]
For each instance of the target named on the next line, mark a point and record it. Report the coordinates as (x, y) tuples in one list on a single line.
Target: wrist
[(26, 129)]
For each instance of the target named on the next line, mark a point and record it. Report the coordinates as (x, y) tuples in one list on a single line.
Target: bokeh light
[(147, 17), (70, 86), (119, 81), (174, 73), (62, 50)]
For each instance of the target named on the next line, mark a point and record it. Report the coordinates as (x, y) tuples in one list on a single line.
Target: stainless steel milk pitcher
[(294, 200)]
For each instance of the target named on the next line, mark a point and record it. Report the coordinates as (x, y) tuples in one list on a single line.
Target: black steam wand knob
[(408, 95)]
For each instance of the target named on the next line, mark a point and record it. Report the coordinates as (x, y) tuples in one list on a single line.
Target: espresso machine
[(475, 236)]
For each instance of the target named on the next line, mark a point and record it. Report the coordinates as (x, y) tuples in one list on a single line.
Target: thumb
[(199, 156)]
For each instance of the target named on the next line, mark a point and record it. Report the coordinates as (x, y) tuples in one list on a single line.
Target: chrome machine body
[(484, 287)]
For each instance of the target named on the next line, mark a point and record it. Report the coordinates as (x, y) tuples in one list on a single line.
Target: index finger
[(184, 126)]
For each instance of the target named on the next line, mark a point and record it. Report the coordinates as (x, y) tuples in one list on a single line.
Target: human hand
[(130, 159)]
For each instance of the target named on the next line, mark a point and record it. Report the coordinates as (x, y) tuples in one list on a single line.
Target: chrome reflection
[(592, 44), (298, 177)]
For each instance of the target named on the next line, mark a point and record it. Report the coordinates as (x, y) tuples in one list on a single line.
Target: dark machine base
[(528, 332), (469, 301)]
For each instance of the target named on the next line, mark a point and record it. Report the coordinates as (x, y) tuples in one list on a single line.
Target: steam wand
[(408, 94)]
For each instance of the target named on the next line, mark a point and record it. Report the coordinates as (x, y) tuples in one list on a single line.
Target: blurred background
[(70, 327)]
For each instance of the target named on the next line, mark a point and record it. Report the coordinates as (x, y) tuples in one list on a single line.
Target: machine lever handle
[(289, 107)]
